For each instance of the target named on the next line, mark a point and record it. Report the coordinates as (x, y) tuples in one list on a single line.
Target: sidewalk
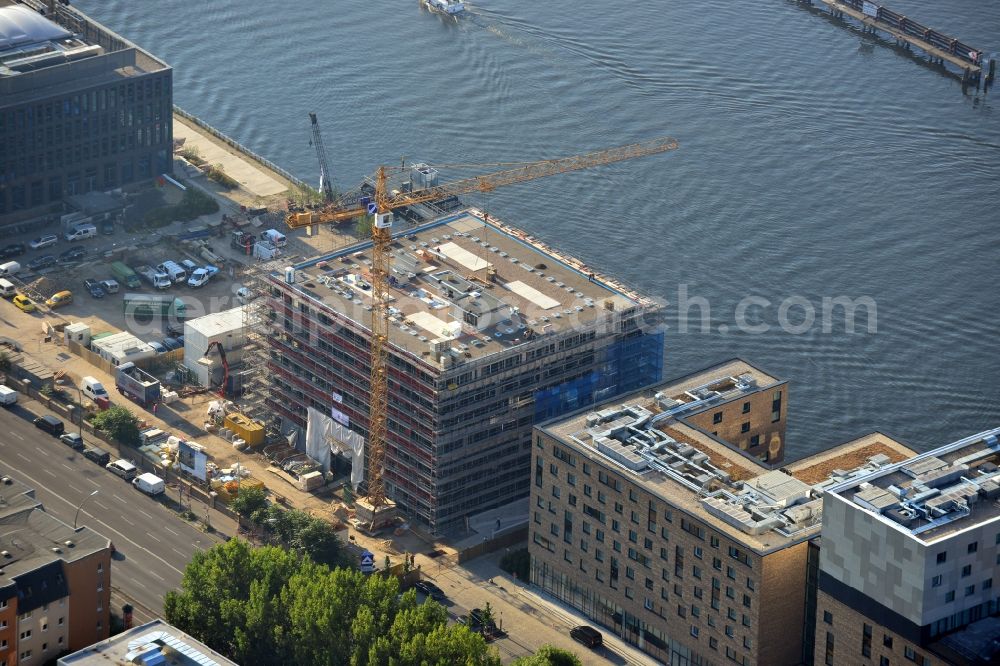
[(531, 618)]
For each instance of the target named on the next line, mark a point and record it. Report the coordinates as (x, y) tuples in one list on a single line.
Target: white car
[(198, 277), (44, 241)]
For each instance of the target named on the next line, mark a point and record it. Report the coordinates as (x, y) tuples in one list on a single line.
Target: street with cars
[(152, 543)]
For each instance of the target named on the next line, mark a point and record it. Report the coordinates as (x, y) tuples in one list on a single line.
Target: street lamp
[(79, 407), (81, 506)]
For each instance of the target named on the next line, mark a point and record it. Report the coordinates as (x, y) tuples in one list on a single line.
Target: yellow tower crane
[(384, 203)]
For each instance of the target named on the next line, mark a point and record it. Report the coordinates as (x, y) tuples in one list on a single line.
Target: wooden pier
[(974, 68)]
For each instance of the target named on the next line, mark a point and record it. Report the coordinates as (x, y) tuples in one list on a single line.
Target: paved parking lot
[(107, 313)]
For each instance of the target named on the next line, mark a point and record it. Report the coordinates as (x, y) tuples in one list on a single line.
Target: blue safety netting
[(622, 367)]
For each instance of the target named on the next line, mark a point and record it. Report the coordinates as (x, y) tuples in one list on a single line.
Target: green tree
[(118, 423), (228, 600), (249, 499), (262, 606), (549, 655), (319, 541)]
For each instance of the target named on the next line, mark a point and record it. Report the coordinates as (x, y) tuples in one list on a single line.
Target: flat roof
[(714, 385), (35, 540), (820, 466), (142, 644), (218, 323), (479, 286), (639, 437), (936, 494)]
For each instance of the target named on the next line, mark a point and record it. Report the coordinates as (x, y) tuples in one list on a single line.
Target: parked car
[(477, 622), (50, 424), (588, 636), (59, 299), (110, 286), (157, 347), (430, 589), (72, 440), (97, 455), (108, 227), (199, 277), (43, 261), (47, 240), (171, 344), (23, 303), (72, 254), (12, 250), (94, 287)]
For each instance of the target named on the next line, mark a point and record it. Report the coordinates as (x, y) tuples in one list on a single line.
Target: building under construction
[(491, 332)]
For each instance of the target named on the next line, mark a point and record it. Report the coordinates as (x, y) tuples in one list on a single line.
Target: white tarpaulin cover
[(462, 256), (528, 292), (323, 434)]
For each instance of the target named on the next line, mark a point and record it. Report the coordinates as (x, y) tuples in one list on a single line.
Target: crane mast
[(325, 177), (384, 204)]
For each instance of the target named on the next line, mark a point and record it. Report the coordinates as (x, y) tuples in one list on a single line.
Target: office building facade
[(81, 109)]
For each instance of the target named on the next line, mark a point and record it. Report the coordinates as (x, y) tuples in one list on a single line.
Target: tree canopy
[(262, 606), (549, 655), (118, 423)]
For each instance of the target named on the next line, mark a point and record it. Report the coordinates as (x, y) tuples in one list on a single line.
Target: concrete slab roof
[(482, 285)]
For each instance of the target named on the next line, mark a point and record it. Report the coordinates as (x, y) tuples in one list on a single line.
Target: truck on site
[(125, 275), (154, 305), (149, 483), (137, 384), (154, 277)]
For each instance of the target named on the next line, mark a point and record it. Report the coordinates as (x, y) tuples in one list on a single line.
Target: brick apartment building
[(492, 331), (909, 569), (685, 544), (55, 582)]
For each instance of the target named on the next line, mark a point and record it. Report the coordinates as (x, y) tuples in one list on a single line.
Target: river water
[(814, 163)]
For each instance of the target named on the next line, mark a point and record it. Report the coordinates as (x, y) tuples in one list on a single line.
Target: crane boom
[(325, 176), (386, 202), (484, 183)]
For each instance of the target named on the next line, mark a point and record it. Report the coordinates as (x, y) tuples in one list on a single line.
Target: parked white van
[(122, 468), (174, 271), (10, 268), (8, 396), (7, 288), (275, 237), (93, 389), (81, 232)]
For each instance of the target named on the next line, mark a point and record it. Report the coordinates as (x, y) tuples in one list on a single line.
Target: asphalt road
[(154, 544)]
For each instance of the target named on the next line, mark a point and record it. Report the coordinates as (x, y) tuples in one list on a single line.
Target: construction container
[(311, 481), (244, 428)]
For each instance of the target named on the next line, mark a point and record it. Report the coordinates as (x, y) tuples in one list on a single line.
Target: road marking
[(118, 498), (121, 536), (18, 436), (124, 519), (23, 457), (179, 552), (145, 514), (171, 531), (74, 488), (156, 575), (67, 467), (49, 472), (153, 537), (100, 505)]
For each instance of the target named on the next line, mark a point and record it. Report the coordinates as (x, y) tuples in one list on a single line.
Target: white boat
[(450, 7)]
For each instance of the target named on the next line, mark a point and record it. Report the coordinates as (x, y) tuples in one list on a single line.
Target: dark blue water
[(813, 163)]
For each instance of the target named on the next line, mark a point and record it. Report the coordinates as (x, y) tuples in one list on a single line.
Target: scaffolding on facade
[(257, 323)]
